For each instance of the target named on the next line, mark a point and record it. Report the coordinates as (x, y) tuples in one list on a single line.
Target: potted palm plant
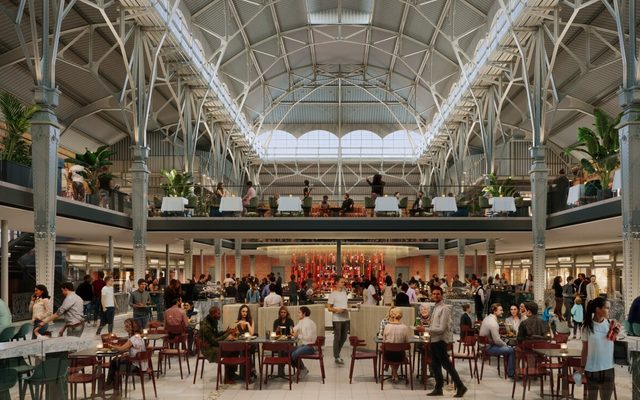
[(15, 151), (95, 169), (179, 184), (602, 147)]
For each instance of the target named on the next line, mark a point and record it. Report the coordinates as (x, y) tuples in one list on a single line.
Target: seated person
[(325, 206), (558, 325), (491, 328), (465, 319), (395, 332), (283, 325), (211, 336), (402, 299), (533, 327), (306, 332), (418, 206), (175, 319), (134, 345), (384, 323), (347, 205)]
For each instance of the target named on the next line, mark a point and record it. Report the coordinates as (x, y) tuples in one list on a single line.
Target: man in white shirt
[(411, 292), (273, 299), (107, 300), (491, 328), (593, 290), (372, 294), (228, 281), (306, 332), (337, 304), (130, 285)]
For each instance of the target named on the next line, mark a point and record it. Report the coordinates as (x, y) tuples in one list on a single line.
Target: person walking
[(71, 309), (107, 299), (97, 285), (441, 336), (85, 291), (337, 304), (41, 308), (293, 291), (597, 350)]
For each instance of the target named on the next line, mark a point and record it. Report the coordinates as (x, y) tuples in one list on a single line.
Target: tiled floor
[(337, 384)]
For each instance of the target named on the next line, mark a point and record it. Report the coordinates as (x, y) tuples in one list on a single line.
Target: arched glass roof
[(320, 144)]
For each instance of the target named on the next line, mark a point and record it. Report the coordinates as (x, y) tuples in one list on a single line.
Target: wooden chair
[(361, 355), (405, 362), (483, 344), (464, 331), (469, 343), (142, 359), (197, 342), (174, 347), (527, 367), (234, 353), (279, 356), (317, 356), (77, 374)]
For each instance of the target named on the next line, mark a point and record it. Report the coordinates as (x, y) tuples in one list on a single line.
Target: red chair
[(465, 330), (527, 367), (143, 360), (77, 374), (174, 347), (483, 344), (468, 352), (197, 340), (561, 338), (279, 356), (317, 356), (406, 360), (234, 353), (361, 355)]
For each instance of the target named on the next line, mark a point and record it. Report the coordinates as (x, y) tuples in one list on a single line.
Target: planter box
[(15, 173)]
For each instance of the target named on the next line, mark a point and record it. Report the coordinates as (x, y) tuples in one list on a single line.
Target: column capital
[(46, 96), (630, 97), (140, 153)]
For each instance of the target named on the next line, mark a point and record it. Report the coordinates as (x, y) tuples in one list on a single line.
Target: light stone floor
[(336, 386)]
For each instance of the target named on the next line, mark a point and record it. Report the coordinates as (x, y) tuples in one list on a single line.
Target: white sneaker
[(303, 372)]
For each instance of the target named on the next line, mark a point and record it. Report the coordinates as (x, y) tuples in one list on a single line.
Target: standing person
[(251, 193), (395, 332), (402, 300), (577, 314), (85, 291), (337, 304), (558, 290), (411, 292), (399, 280), (593, 290), (306, 332), (372, 293), (108, 302), (273, 299), (568, 294), (172, 292), (41, 308), (293, 291), (441, 336), (129, 285), (597, 350), (490, 328), (97, 285), (253, 295), (478, 298), (527, 287), (377, 186), (139, 300), (581, 288), (219, 190), (306, 193), (72, 309), (387, 291)]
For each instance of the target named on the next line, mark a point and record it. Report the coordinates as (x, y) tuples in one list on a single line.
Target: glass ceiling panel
[(319, 144)]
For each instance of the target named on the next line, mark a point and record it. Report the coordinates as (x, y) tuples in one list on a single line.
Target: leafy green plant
[(506, 188), (179, 184), (96, 166), (17, 118), (601, 145)]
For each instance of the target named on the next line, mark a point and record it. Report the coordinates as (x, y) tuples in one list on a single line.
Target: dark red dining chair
[(404, 362), (279, 356), (316, 356), (143, 359), (361, 355), (469, 353), (234, 353)]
